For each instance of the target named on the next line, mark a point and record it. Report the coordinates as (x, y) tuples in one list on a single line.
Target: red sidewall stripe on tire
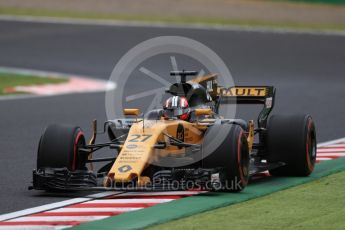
[(74, 164), (239, 159), (310, 164)]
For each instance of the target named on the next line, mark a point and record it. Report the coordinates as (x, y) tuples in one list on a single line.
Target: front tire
[(292, 140), (58, 148), (231, 154)]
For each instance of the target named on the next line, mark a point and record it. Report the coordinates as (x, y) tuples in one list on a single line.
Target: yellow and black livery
[(208, 151)]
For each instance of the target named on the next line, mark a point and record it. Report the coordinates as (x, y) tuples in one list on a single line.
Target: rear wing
[(249, 95)]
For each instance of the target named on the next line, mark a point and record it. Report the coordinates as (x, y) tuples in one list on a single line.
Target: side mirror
[(131, 112), (200, 112)]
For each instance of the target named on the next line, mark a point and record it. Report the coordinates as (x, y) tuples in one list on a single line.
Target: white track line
[(93, 209), (168, 193), (54, 205), (57, 218), (200, 26), (324, 158), (128, 201), (89, 198), (331, 142), (333, 146), (35, 227), (330, 154)]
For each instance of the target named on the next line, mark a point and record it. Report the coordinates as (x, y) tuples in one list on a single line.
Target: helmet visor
[(175, 112)]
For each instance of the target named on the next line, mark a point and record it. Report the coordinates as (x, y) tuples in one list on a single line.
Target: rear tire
[(58, 148), (292, 140), (231, 154)]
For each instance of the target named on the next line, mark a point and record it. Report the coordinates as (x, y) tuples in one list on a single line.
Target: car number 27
[(139, 138)]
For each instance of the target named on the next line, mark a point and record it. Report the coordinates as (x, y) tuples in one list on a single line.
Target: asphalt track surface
[(307, 70)]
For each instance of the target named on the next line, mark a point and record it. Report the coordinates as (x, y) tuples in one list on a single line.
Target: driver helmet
[(177, 106)]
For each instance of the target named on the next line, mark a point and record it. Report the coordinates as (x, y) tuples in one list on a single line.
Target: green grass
[(187, 20), (335, 2), (316, 205), (11, 80)]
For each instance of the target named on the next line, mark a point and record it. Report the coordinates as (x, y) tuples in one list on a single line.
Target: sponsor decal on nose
[(132, 146), (125, 168)]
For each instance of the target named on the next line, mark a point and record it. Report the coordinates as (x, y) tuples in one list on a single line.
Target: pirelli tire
[(291, 140), (58, 148), (229, 147)]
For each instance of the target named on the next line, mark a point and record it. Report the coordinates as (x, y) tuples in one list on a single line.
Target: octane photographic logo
[(142, 75)]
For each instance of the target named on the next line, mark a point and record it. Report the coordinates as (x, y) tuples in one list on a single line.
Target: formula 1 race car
[(184, 145)]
